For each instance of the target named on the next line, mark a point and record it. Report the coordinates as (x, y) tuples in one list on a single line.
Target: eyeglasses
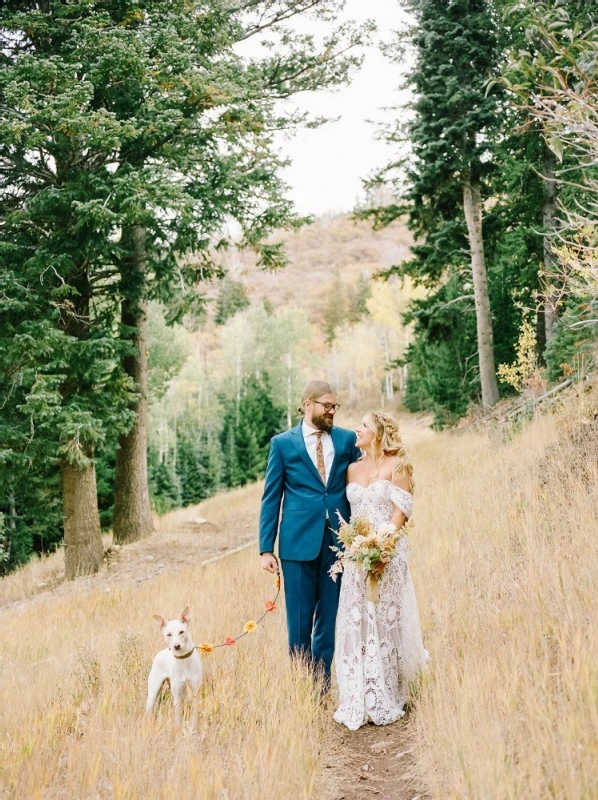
[(328, 406)]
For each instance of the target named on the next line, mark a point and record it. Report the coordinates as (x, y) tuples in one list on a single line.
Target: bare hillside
[(317, 253)]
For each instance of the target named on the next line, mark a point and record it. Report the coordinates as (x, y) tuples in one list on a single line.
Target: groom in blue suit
[(306, 474)]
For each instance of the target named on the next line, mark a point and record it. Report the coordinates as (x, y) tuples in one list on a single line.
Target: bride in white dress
[(379, 646)]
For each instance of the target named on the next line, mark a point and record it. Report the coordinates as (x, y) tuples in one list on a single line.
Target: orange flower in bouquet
[(369, 547)]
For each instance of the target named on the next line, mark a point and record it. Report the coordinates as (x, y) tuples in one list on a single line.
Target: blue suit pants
[(312, 601)]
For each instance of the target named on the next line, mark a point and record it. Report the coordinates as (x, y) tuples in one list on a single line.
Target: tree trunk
[(12, 511), (550, 296), (83, 549), (472, 205), (541, 329), (132, 511)]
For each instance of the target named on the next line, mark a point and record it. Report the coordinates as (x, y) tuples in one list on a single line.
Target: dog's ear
[(186, 615), (160, 621)]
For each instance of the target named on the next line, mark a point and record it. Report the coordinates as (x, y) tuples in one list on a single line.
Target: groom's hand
[(269, 563)]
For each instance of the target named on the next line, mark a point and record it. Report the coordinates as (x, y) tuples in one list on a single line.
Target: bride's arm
[(399, 517)]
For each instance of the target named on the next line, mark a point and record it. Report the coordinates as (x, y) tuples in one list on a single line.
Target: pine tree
[(442, 375), (165, 488), (212, 459), (555, 43), (358, 300), (191, 472), (248, 428), (451, 135), (232, 297), (63, 391), (336, 310), (106, 104), (4, 547), (231, 471)]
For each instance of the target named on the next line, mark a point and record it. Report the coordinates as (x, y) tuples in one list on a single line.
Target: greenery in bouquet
[(369, 547)]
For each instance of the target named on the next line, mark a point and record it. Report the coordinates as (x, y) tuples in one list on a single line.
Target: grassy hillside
[(316, 253), (507, 568), (505, 565)]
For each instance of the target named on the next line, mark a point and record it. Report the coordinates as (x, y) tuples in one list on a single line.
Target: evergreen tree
[(544, 48), (451, 135), (358, 300), (4, 547), (165, 488), (336, 310), (259, 420), (213, 460), (231, 471), (31, 505), (105, 460), (248, 427), (232, 297), (442, 374), (191, 472), (106, 104), (62, 388), (551, 75)]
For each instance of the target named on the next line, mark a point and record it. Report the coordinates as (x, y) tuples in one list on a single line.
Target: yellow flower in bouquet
[(369, 547)]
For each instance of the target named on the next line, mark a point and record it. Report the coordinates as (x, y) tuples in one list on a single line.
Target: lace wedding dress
[(379, 646)]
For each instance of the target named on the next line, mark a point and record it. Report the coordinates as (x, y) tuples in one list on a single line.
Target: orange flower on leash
[(277, 582), (250, 626), (270, 605), (229, 640), (206, 647)]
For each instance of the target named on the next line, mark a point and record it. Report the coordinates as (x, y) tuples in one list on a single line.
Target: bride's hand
[(269, 563)]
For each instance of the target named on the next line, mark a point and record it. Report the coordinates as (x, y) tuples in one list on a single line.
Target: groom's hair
[(313, 390)]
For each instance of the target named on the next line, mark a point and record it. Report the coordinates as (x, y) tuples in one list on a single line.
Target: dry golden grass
[(506, 570), (41, 574), (506, 567), (38, 575), (73, 689), (216, 508)]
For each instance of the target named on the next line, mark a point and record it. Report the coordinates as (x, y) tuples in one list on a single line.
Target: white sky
[(329, 163)]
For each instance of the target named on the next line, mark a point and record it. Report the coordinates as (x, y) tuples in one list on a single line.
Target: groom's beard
[(323, 422)]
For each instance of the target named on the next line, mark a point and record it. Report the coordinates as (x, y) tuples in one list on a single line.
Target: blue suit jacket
[(293, 480)]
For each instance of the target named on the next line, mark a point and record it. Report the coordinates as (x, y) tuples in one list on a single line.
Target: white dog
[(179, 662)]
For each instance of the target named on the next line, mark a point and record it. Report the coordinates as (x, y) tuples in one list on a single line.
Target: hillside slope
[(333, 244), (505, 568)]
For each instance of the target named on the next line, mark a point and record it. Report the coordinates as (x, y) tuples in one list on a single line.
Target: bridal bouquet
[(369, 547)]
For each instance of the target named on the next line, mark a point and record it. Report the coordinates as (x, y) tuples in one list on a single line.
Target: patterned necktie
[(320, 457)]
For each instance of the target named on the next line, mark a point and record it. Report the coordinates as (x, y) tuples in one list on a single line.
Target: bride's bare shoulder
[(353, 470)]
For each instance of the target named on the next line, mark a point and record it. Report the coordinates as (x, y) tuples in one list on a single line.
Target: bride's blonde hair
[(388, 442)]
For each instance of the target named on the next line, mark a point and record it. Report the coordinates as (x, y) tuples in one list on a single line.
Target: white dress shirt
[(311, 442)]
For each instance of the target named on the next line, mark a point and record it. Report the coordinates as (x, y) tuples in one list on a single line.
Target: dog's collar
[(190, 653)]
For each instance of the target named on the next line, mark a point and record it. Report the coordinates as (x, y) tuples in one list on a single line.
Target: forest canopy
[(162, 300)]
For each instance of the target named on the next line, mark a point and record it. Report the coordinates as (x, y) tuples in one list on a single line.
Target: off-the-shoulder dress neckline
[(380, 480)]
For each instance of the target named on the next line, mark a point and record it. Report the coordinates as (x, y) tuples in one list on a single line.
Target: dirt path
[(188, 543), (374, 762)]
